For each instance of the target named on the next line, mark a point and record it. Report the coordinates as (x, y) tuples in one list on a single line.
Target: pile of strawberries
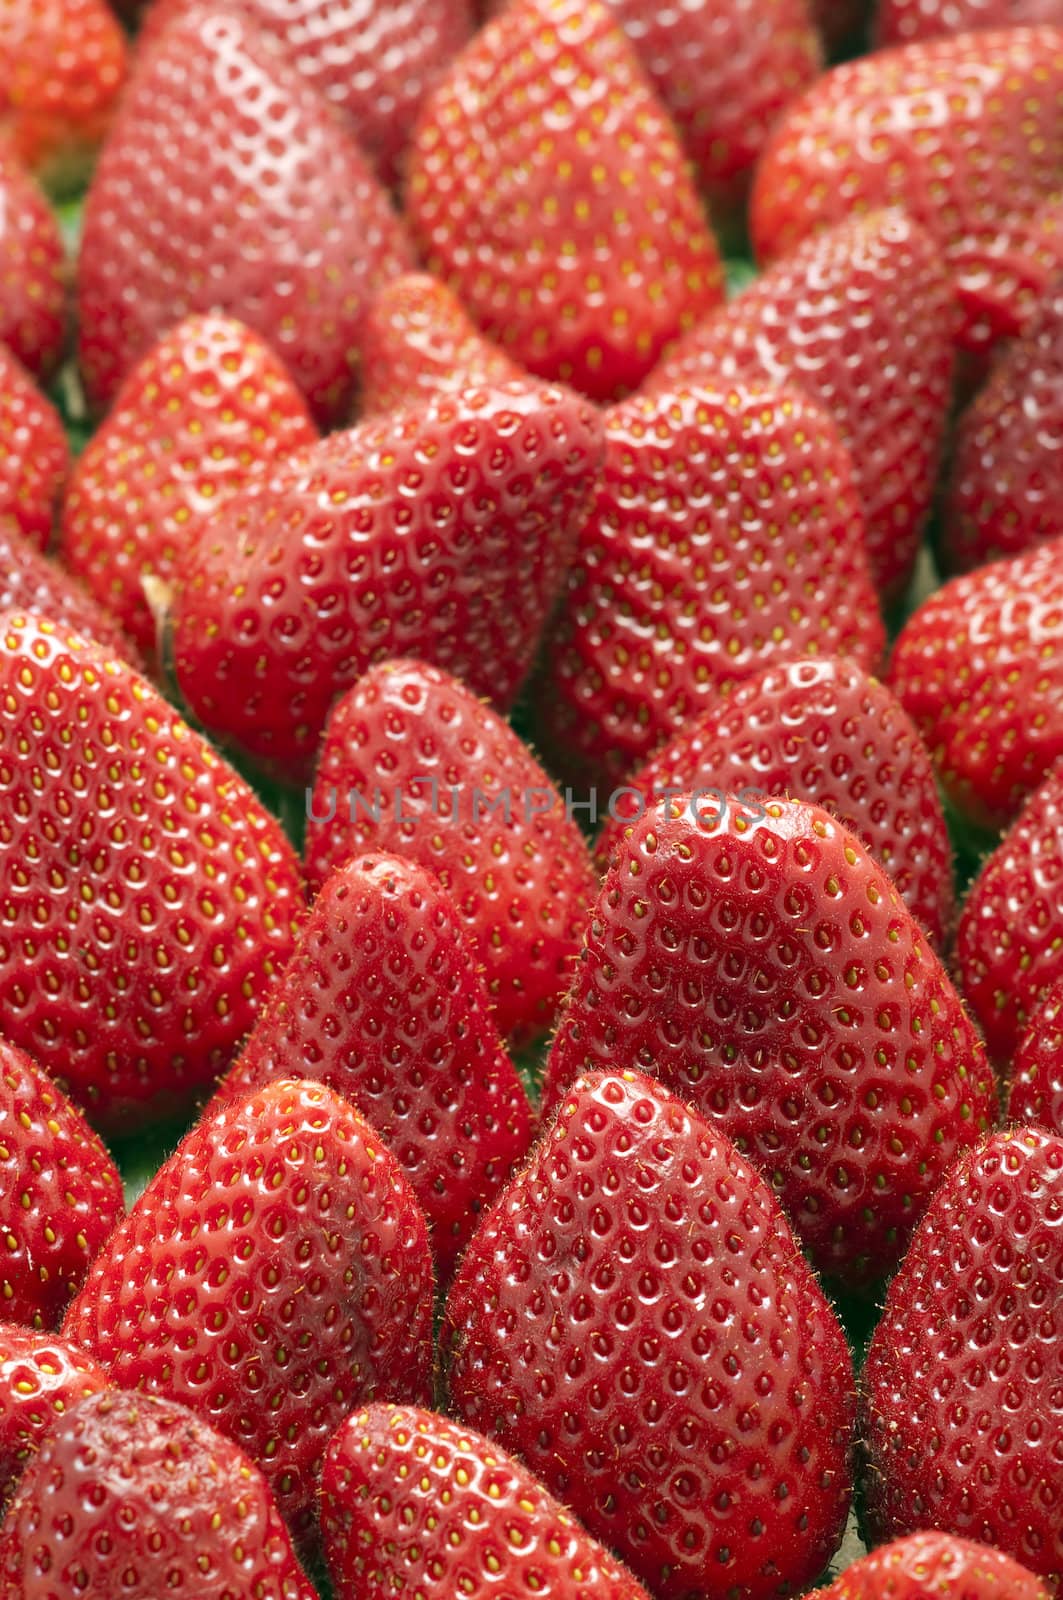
[(600, 1174)]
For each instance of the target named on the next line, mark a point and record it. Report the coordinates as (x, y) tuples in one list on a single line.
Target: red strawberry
[(199, 416), (979, 671), (147, 898), (862, 318), (935, 1566), (965, 132), (61, 1194), (754, 958), (29, 581), (227, 185), (824, 731), (413, 763), (442, 532), (547, 187), (34, 458), (411, 1501), (1035, 1087), (636, 1322), (725, 537), (40, 1378), (964, 1414), (32, 272), (382, 1001), (899, 21), (419, 342), (138, 1497), (274, 1274)]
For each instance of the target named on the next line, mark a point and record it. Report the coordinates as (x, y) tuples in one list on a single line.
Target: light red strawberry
[(199, 203), (32, 272), (725, 537), (635, 1321), (900, 21), (935, 1566), (414, 764), (1035, 1081), (208, 408), (41, 1377), (963, 1418), (548, 189), (443, 531), (31, 581), (148, 897), (34, 456), (862, 318)]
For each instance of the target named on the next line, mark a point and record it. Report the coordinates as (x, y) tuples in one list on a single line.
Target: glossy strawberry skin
[(901, 21), (30, 581), (822, 730), (34, 457), (205, 410), (935, 1566), (724, 537), (147, 896), (548, 189), (1035, 1082), (799, 1007), (410, 1498), (383, 1002), (32, 272), (586, 1330), (964, 1422), (41, 1377), (197, 205), (461, 794), (275, 1273), (441, 532), (862, 318)]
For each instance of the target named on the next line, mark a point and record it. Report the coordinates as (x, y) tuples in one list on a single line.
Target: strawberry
[(382, 1001), (412, 1499), (32, 272), (965, 132), (823, 730), (725, 536), (198, 203), (29, 581), (147, 898), (964, 1419), (138, 1497), (205, 410), (935, 1566), (978, 670), (548, 188), (862, 318), (61, 1194), (635, 1321), (755, 958), (34, 458), (40, 1378), (442, 532), (1035, 1087), (274, 1274), (413, 763), (899, 21)]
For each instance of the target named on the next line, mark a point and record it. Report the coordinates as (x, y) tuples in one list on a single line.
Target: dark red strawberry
[(964, 1412), (274, 1274), (138, 1497), (899, 21), (40, 1379), (935, 1566), (1035, 1086), (34, 458), (548, 188), (442, 532), (635, 1321), (413, 763), (29, 581), (725, 537), (147, 897), (200, 203), (208, 408), (754, 958), (862, 317), (32, 271), (821, 730), (383, 1002)]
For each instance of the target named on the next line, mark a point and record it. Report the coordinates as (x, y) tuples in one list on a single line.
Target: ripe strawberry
[(32, 272), (198, 203), (419, 342), (725, 537), (412, 1501), (636, 1322), (442, 532), (935, 1566), (29, 581), (383, 1002), (40, 1378), (899, 21), (754, 958), (196, 419), (138, 1497), (548, 188), (862, 318), (274, 1274), (34, 458), (964, 1419), (978, 669), (147, 896), (413, 763), (1035, 1086), (965, 132), (824, 731), (61, 1194)]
